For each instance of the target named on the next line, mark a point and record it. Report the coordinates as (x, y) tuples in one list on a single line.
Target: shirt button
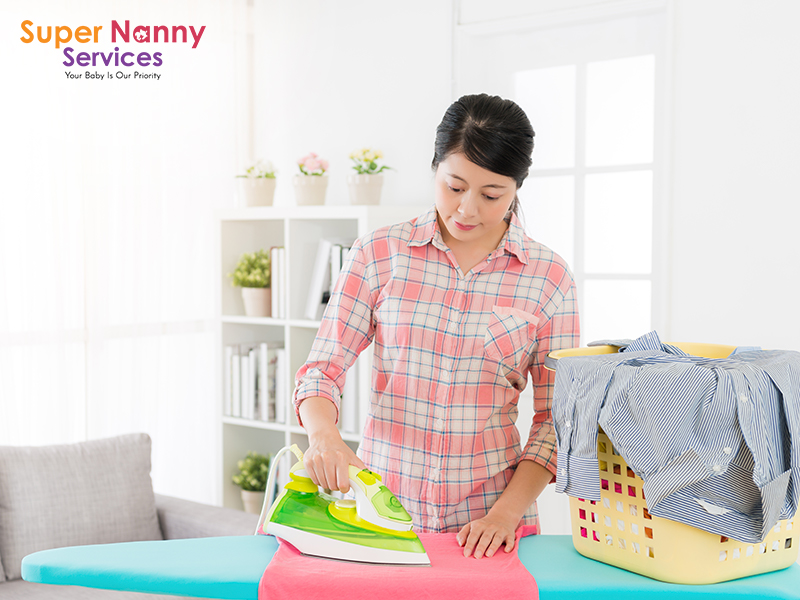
[(445, 377), (435, 474), (563, 471), (438, 424), (566, 424), (717, 468), (743, 397), (727, 450)]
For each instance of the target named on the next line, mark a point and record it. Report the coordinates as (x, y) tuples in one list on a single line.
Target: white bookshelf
[(298, 229)]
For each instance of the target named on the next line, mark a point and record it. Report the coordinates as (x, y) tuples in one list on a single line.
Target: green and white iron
[(373, 528)]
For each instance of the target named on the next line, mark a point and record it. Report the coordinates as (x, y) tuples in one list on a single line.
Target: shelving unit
[(298, 230)]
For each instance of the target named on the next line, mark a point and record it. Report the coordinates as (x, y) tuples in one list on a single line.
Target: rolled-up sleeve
[(347, 328), (560, 331)]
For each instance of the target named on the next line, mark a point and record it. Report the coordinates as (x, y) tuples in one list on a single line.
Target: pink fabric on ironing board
[(290, 575)]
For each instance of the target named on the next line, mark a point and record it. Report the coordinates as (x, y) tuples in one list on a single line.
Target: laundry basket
[(618, 529)]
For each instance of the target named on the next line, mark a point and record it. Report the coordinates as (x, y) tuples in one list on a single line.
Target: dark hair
[(491, 132)]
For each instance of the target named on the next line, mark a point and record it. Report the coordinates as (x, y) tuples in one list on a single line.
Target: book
[(267, 380), (252, 378), (319, 281), (322, 277), (281, 389)]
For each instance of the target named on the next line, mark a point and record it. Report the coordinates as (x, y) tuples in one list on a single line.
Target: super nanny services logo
[(120, 59)]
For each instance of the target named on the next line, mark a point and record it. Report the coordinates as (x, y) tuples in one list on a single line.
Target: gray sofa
[(95, 492)]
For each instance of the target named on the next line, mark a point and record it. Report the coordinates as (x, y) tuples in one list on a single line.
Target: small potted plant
[(252, 478), (252, 274), (311, 184), (257, 185), (365, 186)]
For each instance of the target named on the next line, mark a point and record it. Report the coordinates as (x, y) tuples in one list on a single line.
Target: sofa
[(95, 492)]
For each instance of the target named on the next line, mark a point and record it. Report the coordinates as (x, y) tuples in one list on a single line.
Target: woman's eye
[(491, 197), (452, 189)]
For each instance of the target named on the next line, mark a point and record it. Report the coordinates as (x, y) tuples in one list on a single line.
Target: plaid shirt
[(451, 354)]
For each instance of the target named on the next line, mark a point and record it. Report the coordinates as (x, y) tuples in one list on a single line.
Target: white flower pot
[(253, 501), (309, 190), (257, 301), (365, 189), (257, 191)]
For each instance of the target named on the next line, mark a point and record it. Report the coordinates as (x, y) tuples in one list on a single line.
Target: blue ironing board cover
[(231, 567)]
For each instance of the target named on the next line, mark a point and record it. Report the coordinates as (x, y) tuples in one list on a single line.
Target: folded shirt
[(716, 441)]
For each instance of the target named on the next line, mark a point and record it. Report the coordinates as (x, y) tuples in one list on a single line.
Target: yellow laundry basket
[(618, 529)]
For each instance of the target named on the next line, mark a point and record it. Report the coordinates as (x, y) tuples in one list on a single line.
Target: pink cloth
[(290, 575)]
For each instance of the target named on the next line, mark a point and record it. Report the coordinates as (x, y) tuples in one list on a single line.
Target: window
[(590, 90)]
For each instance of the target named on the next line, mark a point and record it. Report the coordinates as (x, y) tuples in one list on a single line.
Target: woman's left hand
[(482, 537)]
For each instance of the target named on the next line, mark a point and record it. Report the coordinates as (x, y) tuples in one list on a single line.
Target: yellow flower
[(378, 154)]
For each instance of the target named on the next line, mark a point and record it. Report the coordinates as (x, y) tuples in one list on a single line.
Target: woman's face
[(472, 202)]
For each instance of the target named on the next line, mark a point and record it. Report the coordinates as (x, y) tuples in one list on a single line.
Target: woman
[(461, 305)]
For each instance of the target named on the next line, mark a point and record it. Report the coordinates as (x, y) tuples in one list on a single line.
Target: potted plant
[(257, 185), (311, 184), (252, 478), (365, 186), (252, 274)]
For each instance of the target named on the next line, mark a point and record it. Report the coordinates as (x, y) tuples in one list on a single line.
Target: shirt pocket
[(508, 335)]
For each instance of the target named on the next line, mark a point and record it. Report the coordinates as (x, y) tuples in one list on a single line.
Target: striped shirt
[(716, 441), (452, 351)]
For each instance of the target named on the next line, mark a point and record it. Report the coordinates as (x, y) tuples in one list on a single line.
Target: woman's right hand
[(328, 458), (328, 461)]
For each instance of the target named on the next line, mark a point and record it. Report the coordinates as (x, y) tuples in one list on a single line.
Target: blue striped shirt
[(716, 441)]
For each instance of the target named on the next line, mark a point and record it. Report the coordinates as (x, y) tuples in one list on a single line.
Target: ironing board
[(231, 567)]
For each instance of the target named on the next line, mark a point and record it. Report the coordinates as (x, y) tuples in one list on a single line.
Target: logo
[(156, 35)]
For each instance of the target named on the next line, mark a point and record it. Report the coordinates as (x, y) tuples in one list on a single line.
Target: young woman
[(460, 306)]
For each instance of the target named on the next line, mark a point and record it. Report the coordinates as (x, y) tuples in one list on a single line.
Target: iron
[(374, 528)]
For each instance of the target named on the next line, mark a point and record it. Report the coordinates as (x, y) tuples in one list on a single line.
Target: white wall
[(332, 77), (734, 275)]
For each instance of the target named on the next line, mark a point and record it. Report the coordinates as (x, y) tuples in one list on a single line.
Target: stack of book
[(255, 380), (331, 253)]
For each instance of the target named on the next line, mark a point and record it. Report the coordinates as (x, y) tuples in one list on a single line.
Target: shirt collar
[(426, 231)]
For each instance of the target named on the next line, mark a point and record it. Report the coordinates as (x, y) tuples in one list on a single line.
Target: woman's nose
[(469, 205)]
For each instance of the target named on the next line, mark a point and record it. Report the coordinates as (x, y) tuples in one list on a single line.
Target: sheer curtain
[(107, 247)]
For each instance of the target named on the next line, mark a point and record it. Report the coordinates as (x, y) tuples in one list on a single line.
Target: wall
[(333, 77), (734, 271)]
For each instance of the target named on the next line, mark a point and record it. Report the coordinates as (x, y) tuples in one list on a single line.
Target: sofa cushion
[(22, 590), (94, 492)]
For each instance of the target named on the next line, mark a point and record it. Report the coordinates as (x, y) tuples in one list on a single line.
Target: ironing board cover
[(231, 567)]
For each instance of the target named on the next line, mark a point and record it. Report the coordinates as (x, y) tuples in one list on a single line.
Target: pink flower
[(324, 164), (312, 164)]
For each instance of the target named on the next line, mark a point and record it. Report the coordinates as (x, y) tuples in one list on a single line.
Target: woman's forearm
[(528, 481), (318, 415)]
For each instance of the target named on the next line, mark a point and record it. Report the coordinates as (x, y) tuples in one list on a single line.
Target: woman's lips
[(464, 227)]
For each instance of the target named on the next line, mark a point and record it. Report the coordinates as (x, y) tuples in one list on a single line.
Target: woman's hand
[(483, 537), (328, 461), (328, 458)]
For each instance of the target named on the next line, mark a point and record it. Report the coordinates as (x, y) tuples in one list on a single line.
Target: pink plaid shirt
[(451, 354)]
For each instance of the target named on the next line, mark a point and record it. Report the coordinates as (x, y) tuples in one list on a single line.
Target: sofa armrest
[(180, 519)]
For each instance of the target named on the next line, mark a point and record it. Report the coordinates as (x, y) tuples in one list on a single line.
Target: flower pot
[(310, 190), (257, 191), (257, 301), (365, 189), (253, 501)]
